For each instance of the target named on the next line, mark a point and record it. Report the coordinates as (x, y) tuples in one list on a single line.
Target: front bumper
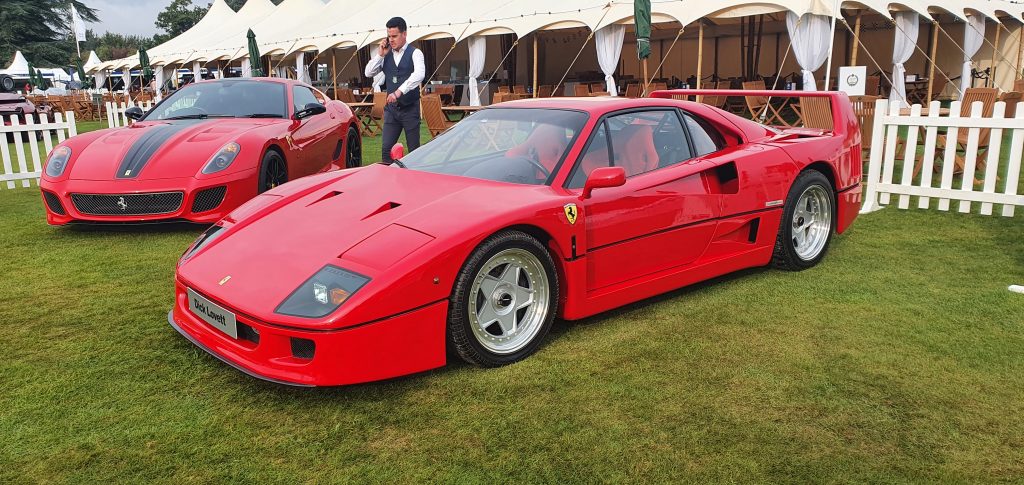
[(239, 187), (395, 346)]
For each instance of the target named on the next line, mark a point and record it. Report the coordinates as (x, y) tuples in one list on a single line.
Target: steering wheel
[(532, 159)]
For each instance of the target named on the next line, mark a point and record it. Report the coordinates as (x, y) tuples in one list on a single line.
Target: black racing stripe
[(143, 149)]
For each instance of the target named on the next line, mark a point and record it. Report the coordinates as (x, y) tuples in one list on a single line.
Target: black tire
[(273, 171), (353, 148), (6, 83), (460, 332), (802, 249)]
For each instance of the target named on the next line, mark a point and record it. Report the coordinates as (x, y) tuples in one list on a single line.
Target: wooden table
[(463, 111), (924, 111), (362, 111)]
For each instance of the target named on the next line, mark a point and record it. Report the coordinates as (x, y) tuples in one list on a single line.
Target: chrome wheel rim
[(508, 301), (812, 222)]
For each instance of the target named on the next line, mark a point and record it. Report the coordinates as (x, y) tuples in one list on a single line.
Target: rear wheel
[(807, 223), (6, 83), (504, 302), (273, 171), (353, 149)]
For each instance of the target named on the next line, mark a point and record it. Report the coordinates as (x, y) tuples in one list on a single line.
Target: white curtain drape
[(101, 79), (126, 76), (809, 35), (477, 56), (974, 35), (197, 70), (907, 27), (159, 74), (608, 41), (246, 68), (301, 72)]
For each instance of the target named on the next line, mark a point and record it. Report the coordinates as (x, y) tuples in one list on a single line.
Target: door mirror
[(311, 109), (134, 113), (397, 151), (604, 177)]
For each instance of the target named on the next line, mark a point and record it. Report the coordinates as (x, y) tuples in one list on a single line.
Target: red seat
[(546, 144), (638, 153)]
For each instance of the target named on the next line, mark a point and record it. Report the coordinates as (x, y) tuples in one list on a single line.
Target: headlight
[(223, 158), (205, 238), (323, 293), (58, 161)]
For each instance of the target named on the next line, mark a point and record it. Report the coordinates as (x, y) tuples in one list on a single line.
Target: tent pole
[(700, 54), (1020, 51), (831, 45), (995, 52), (334, 71), (856, 39), (931, 61), (535, 40)]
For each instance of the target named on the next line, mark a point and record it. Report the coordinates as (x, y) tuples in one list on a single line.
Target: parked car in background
[(16, 106), (200, 153)]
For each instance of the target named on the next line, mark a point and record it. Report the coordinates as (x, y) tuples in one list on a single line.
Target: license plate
[(212, 313)]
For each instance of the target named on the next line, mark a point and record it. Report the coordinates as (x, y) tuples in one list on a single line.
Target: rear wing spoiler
[(844, 120)]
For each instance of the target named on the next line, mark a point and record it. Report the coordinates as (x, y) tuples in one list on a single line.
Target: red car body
[(410, 232), (168, 183)]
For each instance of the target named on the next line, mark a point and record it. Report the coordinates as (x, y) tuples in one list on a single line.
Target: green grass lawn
[(898, 359)]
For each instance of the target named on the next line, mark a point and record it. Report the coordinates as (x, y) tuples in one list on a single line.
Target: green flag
[(642, 18), (254, 55)]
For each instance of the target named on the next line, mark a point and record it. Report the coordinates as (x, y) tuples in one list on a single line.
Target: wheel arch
[(826, 169)]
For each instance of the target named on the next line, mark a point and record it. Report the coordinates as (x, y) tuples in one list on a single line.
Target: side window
[(302, 96), (320, 97), (596, 156), (705, 138), (647, 140)]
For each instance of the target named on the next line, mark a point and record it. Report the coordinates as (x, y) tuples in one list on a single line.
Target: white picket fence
[(967, 190), (17, 168), (115, 112)]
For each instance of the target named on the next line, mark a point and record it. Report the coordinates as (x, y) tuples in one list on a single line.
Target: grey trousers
[(397, 119)]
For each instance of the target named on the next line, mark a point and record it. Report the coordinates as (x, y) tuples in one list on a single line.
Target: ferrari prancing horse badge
[(570, 213)]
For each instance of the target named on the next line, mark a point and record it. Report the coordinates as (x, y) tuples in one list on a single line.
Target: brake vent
[(326, 196), (384, 208)]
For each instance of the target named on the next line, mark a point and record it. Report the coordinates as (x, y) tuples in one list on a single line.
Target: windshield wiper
[(197, 116), (264, 115)]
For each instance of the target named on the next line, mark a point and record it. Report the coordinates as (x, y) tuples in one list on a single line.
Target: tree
[(41, 29), (114, 46), (178, 17)]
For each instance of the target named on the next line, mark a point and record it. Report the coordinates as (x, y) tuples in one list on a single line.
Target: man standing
[(403, 70)]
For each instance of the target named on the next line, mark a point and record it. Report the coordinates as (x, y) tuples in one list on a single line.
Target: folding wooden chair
[(374, 124), (544, 91), (816, 112), (756, 105), (987, 96), (430, 107), (864, 108), (519, 89), (633, 90), (581, 90)]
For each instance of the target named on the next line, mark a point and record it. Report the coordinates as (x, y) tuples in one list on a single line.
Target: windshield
[(228, 98), (517, 145)]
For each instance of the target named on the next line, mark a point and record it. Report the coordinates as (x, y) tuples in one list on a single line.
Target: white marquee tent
[(297, 28)]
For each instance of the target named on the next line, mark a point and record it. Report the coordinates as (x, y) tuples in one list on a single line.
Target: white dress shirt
[(376, 65)]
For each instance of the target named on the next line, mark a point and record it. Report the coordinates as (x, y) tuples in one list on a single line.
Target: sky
[(127, 16)]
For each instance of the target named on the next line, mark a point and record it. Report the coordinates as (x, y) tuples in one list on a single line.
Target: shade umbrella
[(147, 71), (642, 19), (254, 55)]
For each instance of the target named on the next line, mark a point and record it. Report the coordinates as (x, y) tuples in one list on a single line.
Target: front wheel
[(504, 301), (807, 223), (273, 171), (353, 148)]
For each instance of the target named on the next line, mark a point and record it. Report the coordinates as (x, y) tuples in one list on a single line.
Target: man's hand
[(393, 97), (382, 49)]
